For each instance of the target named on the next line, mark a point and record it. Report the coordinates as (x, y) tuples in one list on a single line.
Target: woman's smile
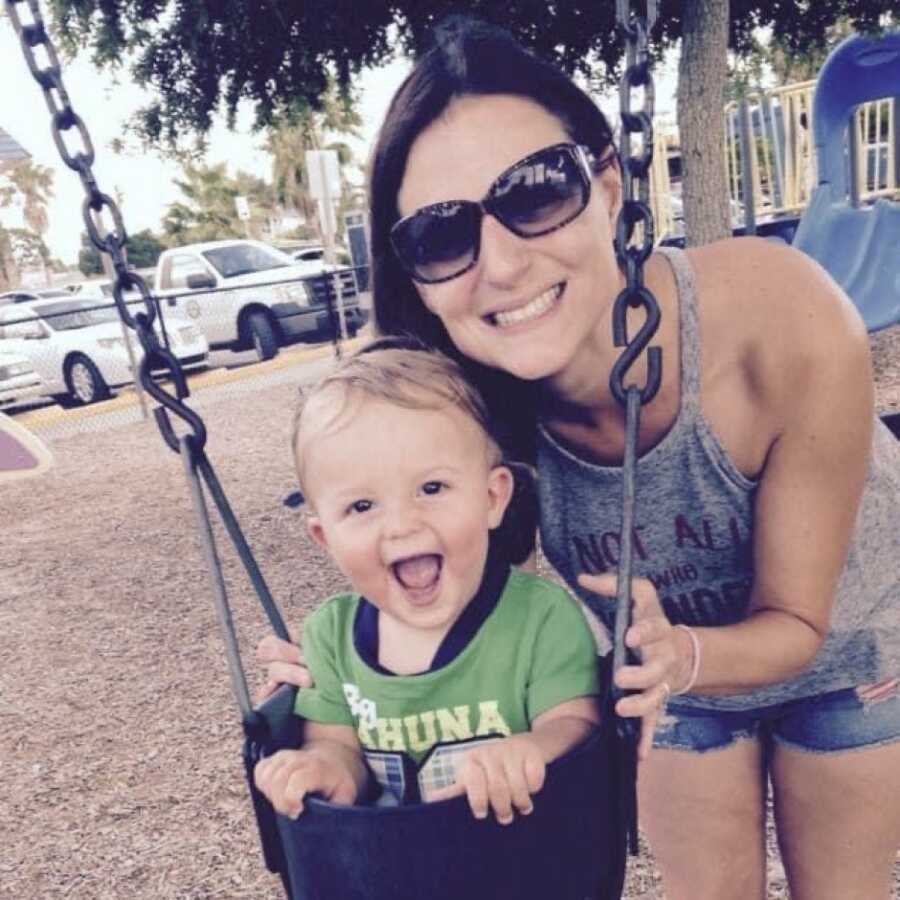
[(528, 312)]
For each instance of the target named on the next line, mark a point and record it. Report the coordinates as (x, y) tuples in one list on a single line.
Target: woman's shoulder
[(776, 331), (768, 284)]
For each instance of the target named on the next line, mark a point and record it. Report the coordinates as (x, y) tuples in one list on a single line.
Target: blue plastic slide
[(860, 247)]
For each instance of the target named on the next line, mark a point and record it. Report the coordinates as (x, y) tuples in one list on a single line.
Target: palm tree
[(34, 184), (301, 128), (209, 212), (7, 263)]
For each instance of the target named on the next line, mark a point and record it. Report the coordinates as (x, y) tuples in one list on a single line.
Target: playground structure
[(769, 144), (855, 242), (820, 162), (783, 166), (22, 455)]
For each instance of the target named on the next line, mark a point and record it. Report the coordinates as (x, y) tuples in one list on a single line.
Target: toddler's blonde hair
[(405, 377)]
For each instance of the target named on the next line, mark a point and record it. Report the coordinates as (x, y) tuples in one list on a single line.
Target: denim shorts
[(848, 719)]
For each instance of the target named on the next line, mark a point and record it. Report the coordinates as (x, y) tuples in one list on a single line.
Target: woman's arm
[(804, 382), (809, 374)]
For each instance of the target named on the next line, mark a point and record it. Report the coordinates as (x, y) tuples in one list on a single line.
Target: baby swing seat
[(571, 847)]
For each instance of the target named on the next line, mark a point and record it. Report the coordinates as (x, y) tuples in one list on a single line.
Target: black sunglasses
[(537, 195)]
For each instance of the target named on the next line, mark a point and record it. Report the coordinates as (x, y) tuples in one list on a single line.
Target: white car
[(18, 380), (78, 348), (310, 259), (23, 296)]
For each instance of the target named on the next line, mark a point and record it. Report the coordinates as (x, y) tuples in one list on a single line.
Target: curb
[(128, 396)]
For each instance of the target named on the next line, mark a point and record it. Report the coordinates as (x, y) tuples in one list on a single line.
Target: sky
[(146, 181)]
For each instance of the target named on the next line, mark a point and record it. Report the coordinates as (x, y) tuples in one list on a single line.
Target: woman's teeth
[(532, 310)]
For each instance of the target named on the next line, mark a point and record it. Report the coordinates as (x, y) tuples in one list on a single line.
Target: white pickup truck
[(244, 294)]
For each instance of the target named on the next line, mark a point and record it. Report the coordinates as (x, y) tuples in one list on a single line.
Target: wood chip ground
[(119, 741)]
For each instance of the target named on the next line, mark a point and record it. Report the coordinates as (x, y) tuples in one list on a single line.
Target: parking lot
[(72, 347), (228, 374)]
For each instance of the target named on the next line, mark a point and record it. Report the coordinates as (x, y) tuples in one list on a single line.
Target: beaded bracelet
[(695, 664)]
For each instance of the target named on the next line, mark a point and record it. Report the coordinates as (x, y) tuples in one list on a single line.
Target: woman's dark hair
[(469, 57)]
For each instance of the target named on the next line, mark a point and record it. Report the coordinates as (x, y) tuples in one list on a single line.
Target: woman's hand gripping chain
[(668, 656), (284, 665)]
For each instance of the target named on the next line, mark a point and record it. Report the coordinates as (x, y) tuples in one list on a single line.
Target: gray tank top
[(692, 536)]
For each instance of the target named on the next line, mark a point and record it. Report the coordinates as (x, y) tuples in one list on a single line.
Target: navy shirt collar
[(461, 633)]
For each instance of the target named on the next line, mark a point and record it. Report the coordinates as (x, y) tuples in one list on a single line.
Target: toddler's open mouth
[(418, 574)]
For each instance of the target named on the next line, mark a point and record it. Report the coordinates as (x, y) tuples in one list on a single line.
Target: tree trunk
[(8, 273), (702, 75)]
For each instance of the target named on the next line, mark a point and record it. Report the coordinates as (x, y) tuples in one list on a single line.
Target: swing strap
[(199, 473), (635, 211), (158, 357)]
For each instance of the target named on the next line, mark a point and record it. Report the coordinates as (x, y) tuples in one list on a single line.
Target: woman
[(768, 514)]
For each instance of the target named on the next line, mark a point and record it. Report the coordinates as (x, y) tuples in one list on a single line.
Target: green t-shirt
[(533, 652)]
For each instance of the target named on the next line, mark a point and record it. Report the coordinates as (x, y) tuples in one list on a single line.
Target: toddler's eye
[(433, 487), (359, 506)]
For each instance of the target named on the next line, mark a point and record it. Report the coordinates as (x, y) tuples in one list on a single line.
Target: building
[(10, 149)]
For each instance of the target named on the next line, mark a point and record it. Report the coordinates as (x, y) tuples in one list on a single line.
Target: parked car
[(77, 347), (103, 287), (18, 380), (27, 296), (312, 258), (245, 295), (92, 288)]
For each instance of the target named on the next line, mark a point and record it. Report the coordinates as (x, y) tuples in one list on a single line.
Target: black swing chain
[(158, 358), (635, 210), (636, 204), (632, 256)]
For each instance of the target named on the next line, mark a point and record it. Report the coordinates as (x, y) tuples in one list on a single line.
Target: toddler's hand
[(501, 775), (288, 776)]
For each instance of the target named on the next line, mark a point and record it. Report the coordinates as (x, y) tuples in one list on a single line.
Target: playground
[(117, 727), (116, 723)]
